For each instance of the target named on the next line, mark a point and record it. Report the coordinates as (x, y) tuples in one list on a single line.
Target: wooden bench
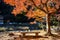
[(36, 33), (24, 36)]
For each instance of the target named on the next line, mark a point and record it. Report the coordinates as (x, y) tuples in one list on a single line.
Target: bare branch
[(41, 2), (46, 6), (47, 1)]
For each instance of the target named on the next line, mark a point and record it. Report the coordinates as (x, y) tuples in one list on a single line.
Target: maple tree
[(47, 6)]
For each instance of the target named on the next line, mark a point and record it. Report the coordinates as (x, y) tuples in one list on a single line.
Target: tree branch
[(46, 6), (56, 8), (37, 6)]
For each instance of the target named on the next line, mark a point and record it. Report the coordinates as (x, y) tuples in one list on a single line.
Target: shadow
[(53, 35), (56, 36), (34, 37)]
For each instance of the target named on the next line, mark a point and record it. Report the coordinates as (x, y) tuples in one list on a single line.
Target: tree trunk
[(48, 24)]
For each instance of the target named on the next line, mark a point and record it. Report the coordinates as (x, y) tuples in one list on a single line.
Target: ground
[(5, 36)]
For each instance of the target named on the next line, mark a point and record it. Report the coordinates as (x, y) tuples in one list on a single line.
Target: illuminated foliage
[(38, 14), (26, 5)]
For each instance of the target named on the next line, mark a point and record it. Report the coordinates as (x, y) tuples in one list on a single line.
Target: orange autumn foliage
[(19, 6), (38, 14)]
